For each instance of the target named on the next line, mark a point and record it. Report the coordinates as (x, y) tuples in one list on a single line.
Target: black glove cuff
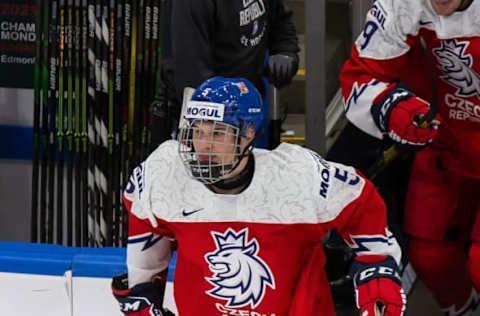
[(382, 109), (138, 297), (363, 272)]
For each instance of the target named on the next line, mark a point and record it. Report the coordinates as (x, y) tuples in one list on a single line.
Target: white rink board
[(33, 294), (92, 296), (37, 279)]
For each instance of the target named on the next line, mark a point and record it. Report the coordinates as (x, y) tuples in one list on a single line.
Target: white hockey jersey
[(258, 252), (389, 50)]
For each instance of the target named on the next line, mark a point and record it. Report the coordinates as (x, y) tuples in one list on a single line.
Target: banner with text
[(17, 43)]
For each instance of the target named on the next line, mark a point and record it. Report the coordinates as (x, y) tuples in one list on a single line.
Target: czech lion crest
[(457, 67), (240, 276)]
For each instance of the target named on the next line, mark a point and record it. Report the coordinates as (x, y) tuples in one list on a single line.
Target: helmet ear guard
[(250, 137), (219, 104)]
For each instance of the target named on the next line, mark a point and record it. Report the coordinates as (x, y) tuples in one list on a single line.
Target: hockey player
[(249, 222), (387, 89)]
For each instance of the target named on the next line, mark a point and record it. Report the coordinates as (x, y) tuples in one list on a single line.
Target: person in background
[(387, 89), (233, 38)]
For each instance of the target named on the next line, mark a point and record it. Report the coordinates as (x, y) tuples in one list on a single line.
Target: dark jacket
[(228, 38)]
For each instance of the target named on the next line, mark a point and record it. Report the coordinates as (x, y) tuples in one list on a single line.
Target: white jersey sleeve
[(349, 203), (159, 168), (332, 186), (387, 25), (149, 246)]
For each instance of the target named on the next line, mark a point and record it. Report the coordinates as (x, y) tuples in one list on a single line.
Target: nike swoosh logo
[(425, 22), (186, 213)]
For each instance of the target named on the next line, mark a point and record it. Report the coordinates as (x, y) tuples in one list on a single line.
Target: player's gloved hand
[(282, 68), (144, 299), (378, 286), (398, 113)]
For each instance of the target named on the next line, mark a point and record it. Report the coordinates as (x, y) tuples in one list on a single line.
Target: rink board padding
[(16, 142), (40, 279), (47, 259), (99, 262), (17, 257), (54, 280)]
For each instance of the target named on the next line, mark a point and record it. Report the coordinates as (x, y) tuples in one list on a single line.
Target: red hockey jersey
[(389, 49), (258, 252)]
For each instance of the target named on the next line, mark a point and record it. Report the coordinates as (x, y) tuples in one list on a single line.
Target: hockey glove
[(144, 299), (378, 286), (282, 68), (397, 112)]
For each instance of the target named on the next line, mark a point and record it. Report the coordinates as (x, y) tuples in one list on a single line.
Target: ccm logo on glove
[(378, 284), (376, 272), (134, 305)]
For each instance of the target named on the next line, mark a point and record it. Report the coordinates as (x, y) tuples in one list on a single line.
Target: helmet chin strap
[(242, 179), (464, 5)]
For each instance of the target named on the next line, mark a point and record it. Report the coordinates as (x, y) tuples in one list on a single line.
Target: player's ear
[(249, 133)]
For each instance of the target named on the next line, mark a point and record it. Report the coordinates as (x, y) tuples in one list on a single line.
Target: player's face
[(214, 143), (445, 7)]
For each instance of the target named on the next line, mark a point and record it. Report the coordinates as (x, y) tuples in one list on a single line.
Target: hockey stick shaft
[(44, 128), (36, 123), (78, 120), (117, 120), (60, 125), (126, 93), (146, 95), (70, 132), (102, 108), (84, 132), (131, 96), (52, 104), (92, 137), (99, 101), (110, 44)]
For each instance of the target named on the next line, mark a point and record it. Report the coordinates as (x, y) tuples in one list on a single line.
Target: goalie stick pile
[(97, 70)]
